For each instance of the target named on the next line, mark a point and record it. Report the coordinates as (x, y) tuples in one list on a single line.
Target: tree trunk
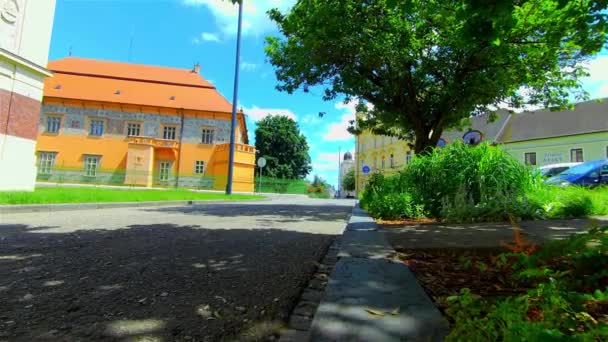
[(424, 144)]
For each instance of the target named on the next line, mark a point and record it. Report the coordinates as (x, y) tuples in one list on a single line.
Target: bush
[(566, 297), (460, 183), (387, 198), (461, 177), (569, 202)]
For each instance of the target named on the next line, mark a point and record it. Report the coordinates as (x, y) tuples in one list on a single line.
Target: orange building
[(130, 124)]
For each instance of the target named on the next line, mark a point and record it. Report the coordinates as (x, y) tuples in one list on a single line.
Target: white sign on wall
[(553, 158)]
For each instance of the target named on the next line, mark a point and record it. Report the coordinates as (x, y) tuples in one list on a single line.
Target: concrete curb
[(31, 208), (366, 276)]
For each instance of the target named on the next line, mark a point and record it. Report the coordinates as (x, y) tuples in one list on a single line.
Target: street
[(212, 272)]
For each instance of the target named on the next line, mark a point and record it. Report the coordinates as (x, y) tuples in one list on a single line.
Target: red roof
[(95, 80)]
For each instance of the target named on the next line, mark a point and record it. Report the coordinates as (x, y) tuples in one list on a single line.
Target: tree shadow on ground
[(483, 235), (282, 213), (160, 281)]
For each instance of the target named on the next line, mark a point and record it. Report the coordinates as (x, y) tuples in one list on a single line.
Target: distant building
[(132, 124), (346, 165), (535, 138), (25, 35)]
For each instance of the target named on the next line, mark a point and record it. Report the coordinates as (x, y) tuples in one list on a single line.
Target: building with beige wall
[(535, 138), (25, 35)]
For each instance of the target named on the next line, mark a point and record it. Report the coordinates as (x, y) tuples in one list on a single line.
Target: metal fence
[(132, 178)]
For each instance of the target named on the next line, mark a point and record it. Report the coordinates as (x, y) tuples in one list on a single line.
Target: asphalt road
[(213, 272)]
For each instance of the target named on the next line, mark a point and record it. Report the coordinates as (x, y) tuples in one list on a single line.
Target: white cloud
[(337, 131), (257, 113), (247, 66), (255, 19), (210, 37), (598, 69)]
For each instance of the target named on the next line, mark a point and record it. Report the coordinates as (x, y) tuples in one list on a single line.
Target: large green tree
[(279, 141), (428, 65), (348, 182)]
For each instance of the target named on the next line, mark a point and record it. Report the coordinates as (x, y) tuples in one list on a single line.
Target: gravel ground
[(198, 273)]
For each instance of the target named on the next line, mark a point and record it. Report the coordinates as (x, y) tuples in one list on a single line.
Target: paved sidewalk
[(371, 297), (483, 235)]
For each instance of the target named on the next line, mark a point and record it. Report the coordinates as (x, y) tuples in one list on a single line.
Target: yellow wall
[(115, 150), (372, 149)]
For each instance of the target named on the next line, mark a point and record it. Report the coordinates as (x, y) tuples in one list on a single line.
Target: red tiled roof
[(95, 80)]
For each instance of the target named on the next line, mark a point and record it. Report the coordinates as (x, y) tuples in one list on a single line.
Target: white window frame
[(57, 122), (168, 131), (207, 136), (91, 164), (97, 127), (164, 174), (199, 167), (136, 126), (46, 162)]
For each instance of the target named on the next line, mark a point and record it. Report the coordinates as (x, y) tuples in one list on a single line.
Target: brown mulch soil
[(444, 272)]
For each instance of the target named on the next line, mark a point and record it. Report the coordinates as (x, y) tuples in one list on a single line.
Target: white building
[(25, 36), (346, 165)]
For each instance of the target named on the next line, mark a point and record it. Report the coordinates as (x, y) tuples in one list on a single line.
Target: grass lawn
[(89, 195)]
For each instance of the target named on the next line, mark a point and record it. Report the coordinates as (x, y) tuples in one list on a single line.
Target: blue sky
[(179, 33)]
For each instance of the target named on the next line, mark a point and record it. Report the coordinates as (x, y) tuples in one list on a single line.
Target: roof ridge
[(143, 80)]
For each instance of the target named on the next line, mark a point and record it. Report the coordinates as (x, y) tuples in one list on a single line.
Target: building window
[(53, 123), (207, 136), (472, 138), (199, 167), (169, 132), (392, 160), (133, 129), (576, 155), (46, 162), (91, 164), (164, 169), (530, 158), (96, 128), (382, 163), (408, 157)]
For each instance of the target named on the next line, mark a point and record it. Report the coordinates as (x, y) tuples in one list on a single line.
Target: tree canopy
[(348, 182), (428, 65), (279, 141)]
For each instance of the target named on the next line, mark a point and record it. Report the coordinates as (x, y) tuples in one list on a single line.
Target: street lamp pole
[(234, 102)]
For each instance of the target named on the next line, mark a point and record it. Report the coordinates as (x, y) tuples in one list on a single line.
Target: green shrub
[(569, 202), (387, 198), (462, 177), (567, 283)]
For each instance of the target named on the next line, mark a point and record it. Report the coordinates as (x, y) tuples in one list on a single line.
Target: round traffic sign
[(261, 162), (366, 169)]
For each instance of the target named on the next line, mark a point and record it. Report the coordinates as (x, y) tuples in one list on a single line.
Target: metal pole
[(234, 102), (261, 180), (339, 172)]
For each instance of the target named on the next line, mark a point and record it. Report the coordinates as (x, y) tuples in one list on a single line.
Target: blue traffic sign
[(366, 169)]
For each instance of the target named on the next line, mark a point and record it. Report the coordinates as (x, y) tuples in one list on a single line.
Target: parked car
[(548, 171), (591, 174)]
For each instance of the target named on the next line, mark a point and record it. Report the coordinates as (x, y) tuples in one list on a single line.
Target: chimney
[(196, 69)]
